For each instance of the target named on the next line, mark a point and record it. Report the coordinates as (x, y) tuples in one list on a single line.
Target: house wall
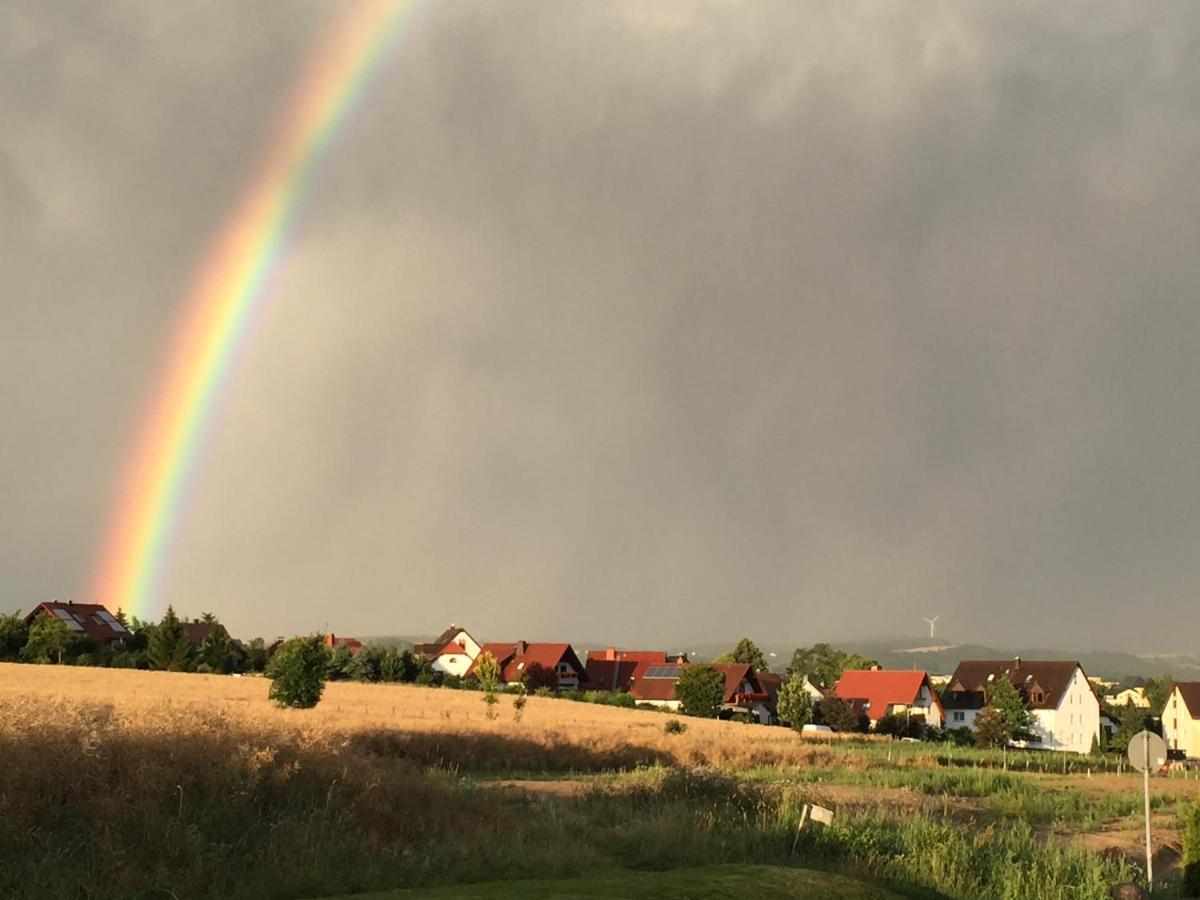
[(926, 706), (961, 718), (675, 705), (452, 663), (1180, 730), (1071, 727)]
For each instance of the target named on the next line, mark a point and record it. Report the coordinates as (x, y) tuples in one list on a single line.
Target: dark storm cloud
[(651, 322)]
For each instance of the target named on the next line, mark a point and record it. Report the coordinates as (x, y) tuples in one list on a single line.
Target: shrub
[(674, 726), (837, 714), (1191, 851), (297, 672)]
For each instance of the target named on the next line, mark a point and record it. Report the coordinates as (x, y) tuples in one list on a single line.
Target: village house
[(876, 693), (536, 665), (611, 669), (451, 652), (1135, 696), (654, 685), (1066, 713), (1181, 719), (89, 619), (333, 642)]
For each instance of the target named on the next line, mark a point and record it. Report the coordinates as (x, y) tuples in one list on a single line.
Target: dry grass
[(429, 725)]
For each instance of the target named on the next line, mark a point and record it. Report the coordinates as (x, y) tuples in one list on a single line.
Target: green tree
[(1158, 692), (364, 665), (337, 662), (1007, 700), (169, 646), (397, 665), (257, 656), (990, 728), (487, 670), (13, 635), (700, 690), (837, 714), (746, 652), (49, 640), (1130, 720), (216, 650), (794, 705), (825, 664), (297, 672)]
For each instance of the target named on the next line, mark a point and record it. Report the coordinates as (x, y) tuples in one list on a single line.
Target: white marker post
[(1147, 754)]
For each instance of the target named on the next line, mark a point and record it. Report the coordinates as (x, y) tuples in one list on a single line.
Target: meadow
[(119, 783)]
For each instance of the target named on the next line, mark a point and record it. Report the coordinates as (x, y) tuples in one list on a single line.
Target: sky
[(645, 323)]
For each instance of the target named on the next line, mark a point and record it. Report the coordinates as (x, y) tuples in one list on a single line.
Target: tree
[(1007, 700), (1158, 692), (363, 665), (540, 676), (794, 705), (837, 714), (169, 645), (990, 728), (487, 670), (1130, 720), (13, 635), (49, 640), (1191, 851), (297, 672), (825, 664), (216, 650), (337, 662), (700, 690), (397, 665), (746, 652), (257, 656)]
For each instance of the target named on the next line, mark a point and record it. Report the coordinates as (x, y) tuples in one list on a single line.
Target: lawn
[(729, 882)]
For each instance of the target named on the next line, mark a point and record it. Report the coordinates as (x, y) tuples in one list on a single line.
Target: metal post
[(1146, 790)]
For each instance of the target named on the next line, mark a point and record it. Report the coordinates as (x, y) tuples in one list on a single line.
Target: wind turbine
[(932, 622)]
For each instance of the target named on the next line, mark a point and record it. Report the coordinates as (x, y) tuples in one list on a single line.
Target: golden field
[(433, 720)]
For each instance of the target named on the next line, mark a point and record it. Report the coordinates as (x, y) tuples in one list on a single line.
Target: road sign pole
[(1146, 790)]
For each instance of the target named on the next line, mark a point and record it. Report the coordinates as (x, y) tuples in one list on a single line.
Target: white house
[(1181, 719), (1066, 713), (1135, 695), (452, 652)]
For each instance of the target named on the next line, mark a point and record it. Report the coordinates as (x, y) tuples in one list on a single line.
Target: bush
[(1191, 851), (297, 672), (674, 726), (794, 703)]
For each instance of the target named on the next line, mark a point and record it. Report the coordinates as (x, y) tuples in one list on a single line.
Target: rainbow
[(231, 283)]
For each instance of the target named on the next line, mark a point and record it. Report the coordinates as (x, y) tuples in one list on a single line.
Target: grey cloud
[(652, 322)]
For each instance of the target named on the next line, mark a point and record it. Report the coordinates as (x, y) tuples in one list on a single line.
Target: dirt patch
[(542, 789)]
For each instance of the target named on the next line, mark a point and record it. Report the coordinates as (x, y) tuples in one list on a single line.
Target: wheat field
[(439, 724)]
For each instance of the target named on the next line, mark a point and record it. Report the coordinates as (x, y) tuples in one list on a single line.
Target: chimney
[(522, 646), (875, 667), (1016, 662), (610, 654)]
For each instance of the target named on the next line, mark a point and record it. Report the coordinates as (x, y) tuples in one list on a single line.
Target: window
[(958, 715)]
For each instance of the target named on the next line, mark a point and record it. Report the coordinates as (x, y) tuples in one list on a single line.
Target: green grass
[(728, 882)]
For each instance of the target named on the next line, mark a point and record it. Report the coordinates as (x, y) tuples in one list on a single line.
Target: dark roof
[(438, 644), (197, 632), (1190, 692), (657, 681), (1042, 683), (91, 619)]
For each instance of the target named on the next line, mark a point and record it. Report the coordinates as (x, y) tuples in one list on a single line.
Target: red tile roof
[(92, 619), (516, 660), (875, 690), (611, 674), (656, 682)]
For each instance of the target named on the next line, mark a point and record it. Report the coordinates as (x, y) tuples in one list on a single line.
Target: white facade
[(457, 662), (1136, 696), (1075, 723), (1180, 730)]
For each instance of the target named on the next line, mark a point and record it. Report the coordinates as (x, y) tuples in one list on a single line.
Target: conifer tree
[(169, 646)]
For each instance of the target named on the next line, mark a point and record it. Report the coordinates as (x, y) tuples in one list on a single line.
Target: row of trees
[(162, 645)]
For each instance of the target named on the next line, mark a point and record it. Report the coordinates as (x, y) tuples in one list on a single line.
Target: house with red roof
[(611, 669), (451, 652), (354, 645), (89, 619), (876, 693), (1181, 719), (654, 685), (536, 665)]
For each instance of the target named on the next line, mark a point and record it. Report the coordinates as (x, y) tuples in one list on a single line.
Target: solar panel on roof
[(662, 672), (111, 621)]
